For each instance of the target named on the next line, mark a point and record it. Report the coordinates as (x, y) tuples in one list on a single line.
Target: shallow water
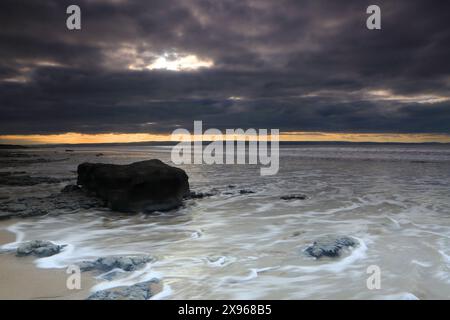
[(394, 199)]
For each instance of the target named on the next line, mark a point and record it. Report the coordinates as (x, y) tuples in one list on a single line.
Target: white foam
[(58, 260), (138, 276), (421, 263), (396, 224), (220, 262), (445, 256), (253, 274)]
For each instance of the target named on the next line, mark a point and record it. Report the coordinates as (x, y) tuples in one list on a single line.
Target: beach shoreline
[(21, 280)]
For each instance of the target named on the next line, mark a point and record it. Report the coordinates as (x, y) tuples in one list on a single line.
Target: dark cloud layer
[(294, 65)]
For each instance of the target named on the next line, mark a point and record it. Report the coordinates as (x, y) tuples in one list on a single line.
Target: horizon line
[(74, 138)]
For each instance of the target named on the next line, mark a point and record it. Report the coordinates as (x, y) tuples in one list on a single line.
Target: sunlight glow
[(387, 95), (177, 62), (77, 138)]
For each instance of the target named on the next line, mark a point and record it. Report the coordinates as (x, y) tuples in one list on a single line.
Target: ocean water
[(394, 199)]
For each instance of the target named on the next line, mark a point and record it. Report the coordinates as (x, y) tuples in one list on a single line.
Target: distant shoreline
[(12, 146), (172, 143)]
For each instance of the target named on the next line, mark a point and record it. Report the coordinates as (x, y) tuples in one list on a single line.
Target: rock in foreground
[(38, 248), (330, 246), (127, 263), (138, 187), (140, 291)]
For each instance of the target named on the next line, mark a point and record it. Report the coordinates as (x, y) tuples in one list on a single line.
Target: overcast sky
[(153, 66)]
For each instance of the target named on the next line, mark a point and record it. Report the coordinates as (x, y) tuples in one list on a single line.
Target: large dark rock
[(142, 186)]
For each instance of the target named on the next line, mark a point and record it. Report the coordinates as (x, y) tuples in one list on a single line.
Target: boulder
[(126, 263), (330, 246), (144, 186), (139, 291), (38, 248)]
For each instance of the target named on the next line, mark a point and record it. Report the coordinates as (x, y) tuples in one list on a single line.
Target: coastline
[(20, 279)]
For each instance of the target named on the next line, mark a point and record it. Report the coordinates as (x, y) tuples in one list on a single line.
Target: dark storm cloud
[(293, 65)]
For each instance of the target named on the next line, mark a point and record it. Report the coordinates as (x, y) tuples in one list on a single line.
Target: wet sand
[(21, 279)]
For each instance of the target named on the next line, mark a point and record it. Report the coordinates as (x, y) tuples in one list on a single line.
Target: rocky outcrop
[(125, 263), (70, 200), (19, 159), (20, 179), (330, 246), (144, 186), (139, 291), (39, 248)]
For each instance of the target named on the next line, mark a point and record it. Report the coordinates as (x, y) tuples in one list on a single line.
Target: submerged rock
[(38, 248), (199, 195), (126, 263), (142, 186), (17, 207), (330, 246), (294, 197), (139, 291)]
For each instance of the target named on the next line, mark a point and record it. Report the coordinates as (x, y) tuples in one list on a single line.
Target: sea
[(393, 199)]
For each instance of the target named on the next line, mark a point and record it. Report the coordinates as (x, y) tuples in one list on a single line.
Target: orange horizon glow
[(80, 138)]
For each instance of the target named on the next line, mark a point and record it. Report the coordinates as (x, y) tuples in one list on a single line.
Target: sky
[(137, 70)]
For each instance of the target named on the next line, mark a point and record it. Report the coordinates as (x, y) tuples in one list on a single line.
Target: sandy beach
[(21, 279)]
